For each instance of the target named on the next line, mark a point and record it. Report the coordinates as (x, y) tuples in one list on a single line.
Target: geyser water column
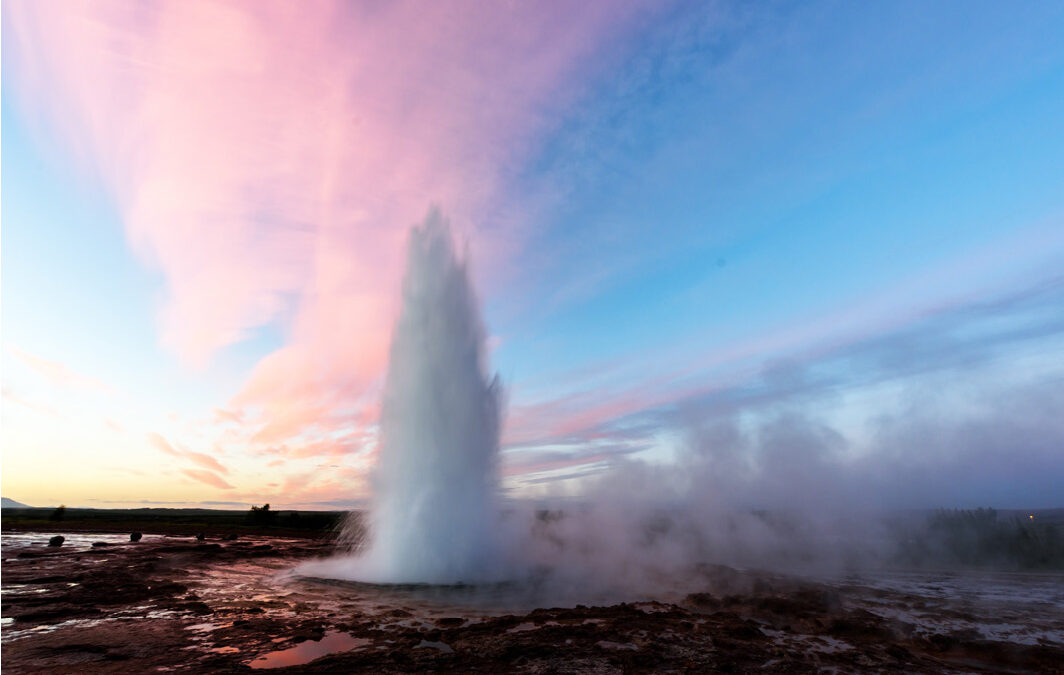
[(434, 487)]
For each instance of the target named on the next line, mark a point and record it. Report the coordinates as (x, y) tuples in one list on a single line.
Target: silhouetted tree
[(58, 513), (261, 515)]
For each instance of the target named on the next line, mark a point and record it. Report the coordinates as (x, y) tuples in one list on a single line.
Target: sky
[(817, 239)]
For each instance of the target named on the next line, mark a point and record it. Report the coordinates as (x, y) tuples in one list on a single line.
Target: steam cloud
[(772, 485)]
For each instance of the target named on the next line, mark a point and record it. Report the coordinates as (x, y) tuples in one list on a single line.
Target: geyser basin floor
[(171, 604)]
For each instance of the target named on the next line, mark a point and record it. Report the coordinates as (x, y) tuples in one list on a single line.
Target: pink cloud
[(199, 458), (582, 412), (295, 483), (206, 461), (269, 157), (223, 415), (161, 443), (207, 477)]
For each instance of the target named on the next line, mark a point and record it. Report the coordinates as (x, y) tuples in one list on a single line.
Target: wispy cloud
[(42, 408), (955, 338), (58, 374), (223, 415), (162, 444), (207, 477), (205, 461)]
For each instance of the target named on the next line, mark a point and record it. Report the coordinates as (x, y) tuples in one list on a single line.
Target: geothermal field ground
[(470, 336), (172, 603)]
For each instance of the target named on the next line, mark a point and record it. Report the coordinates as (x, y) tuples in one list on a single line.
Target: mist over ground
[(781, 489)]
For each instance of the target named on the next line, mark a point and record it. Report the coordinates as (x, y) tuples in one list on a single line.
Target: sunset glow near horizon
[(821, 234)]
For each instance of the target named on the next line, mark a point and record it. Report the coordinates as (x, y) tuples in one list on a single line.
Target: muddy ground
[(172, 604)]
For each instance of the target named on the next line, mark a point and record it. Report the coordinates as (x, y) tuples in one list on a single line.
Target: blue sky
[(698, 198)]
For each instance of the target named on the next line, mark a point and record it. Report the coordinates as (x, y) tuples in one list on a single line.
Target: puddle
[(441, 646), (209, 627), (305, 652), (74, 541)]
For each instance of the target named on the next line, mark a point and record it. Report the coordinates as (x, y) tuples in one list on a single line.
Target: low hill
[(183, 522)]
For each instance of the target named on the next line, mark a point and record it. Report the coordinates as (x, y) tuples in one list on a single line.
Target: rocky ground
[(170, 604)]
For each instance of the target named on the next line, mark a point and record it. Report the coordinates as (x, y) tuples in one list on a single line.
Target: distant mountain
[(12, 504)]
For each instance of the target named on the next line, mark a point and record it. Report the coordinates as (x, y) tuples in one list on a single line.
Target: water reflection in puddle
[(83, 541), (305, 652), (207, 627)]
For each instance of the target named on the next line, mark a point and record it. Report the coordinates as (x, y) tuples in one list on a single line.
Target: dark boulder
[(100, 544), (230, 537), (201, 536), (57, 540), (135, 536)]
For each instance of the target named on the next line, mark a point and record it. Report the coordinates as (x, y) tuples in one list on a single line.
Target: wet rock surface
[(178, 604)]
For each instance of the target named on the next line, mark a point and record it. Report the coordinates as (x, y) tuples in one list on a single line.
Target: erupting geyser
[(434, 502)]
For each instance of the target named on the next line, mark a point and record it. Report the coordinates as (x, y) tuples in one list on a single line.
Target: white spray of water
[(435, 484)]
